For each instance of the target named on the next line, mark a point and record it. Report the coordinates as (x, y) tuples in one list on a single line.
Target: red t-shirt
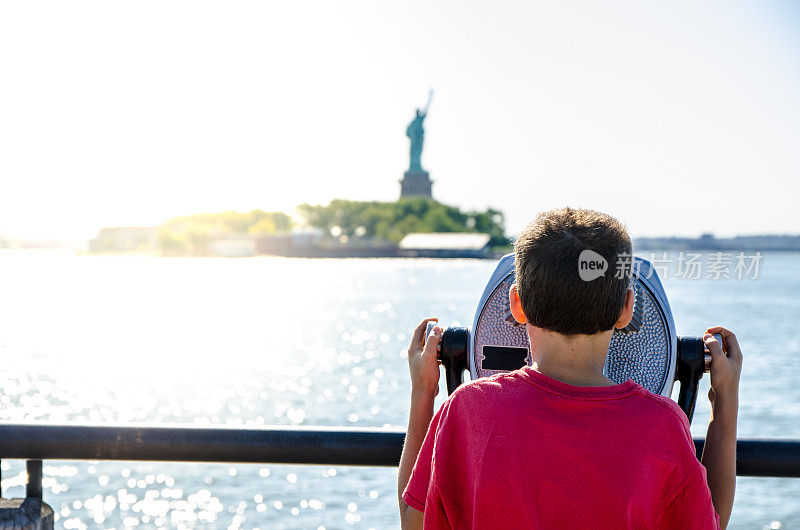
[(523, 450)]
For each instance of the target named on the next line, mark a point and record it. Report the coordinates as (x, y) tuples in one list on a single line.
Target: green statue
[(416, 133)]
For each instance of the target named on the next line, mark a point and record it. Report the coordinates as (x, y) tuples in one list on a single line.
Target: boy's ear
[(516, 305), (626, 314)]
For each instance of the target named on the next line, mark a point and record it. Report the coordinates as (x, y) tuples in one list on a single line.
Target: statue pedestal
[(416, 184)]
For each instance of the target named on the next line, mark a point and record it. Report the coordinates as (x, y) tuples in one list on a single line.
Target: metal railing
[(277, 445)]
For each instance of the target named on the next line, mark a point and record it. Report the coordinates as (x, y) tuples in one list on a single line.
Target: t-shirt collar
[(560, 387)]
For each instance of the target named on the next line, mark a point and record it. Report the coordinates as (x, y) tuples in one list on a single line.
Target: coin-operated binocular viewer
[(648, 350)]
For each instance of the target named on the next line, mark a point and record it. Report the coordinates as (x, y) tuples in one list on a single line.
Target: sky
[(676, 117)]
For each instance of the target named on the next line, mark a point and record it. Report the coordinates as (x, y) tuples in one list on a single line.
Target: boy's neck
[(576, 360)]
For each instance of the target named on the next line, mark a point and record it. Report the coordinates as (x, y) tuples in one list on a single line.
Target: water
[(273, 341)]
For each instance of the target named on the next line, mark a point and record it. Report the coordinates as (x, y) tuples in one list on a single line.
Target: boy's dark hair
[(553, 295)]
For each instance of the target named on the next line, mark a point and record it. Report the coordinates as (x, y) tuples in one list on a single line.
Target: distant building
[(124, 239), (307, 236), (291, 244), (233, 247), (445, 245), (314, 243), (709, 242)]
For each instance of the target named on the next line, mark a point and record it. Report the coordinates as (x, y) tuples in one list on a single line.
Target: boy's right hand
[(726, 366), (422, 362)]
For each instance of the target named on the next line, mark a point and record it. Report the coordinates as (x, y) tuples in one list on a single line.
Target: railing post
[(30, 513), (34, 486)]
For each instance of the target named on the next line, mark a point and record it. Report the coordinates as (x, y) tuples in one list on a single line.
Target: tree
[(193, 233), (391, 221)]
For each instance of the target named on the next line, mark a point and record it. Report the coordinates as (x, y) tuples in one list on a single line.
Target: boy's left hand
[(422, 362)]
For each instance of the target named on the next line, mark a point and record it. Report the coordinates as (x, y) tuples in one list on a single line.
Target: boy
[(557, 444)]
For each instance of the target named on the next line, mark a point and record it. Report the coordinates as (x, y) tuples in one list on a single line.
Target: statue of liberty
[(416, 133)]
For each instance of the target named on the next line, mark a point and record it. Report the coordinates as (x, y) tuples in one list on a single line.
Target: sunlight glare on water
[(275, 341)]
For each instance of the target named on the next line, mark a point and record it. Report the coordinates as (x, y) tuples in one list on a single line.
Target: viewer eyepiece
[(648, 351)]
